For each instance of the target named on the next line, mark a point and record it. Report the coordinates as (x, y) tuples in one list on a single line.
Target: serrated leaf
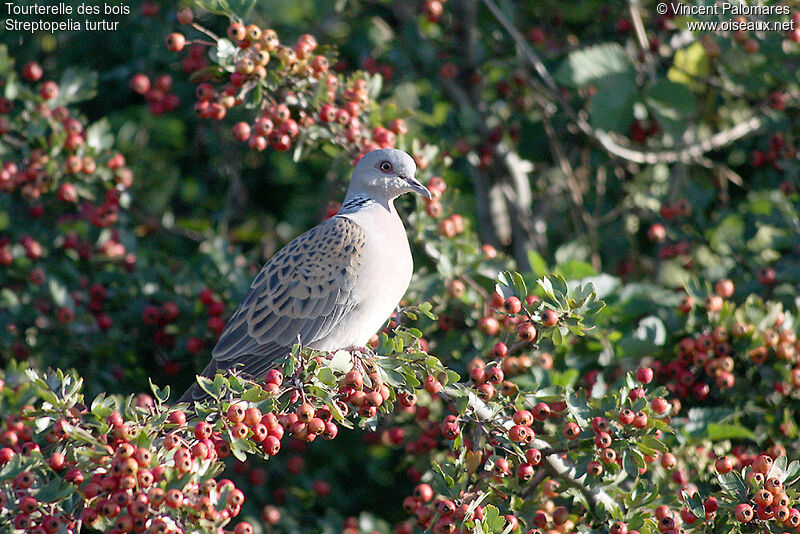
[(255, 394), (733, 482), (792, 473), (207, 385), (652, 443), (76, 85), (326, 376)]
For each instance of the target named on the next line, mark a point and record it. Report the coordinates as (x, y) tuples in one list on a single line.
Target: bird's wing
[(303, 291)]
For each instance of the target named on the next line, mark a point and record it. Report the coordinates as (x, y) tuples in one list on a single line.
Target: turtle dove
[(333, 286)]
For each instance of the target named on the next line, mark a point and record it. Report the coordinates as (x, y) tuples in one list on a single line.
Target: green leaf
[(538, 265), (733, 482), (425, 308), (691, 65), (255, 394), (595, 63), (76, 85), (241, 8), (652, 443), (208, 385), (611, 107), (162, 395), (492, 520), (629, 465), (99, 136), (792, 473), (718, 432), (673, 105), (341, 361), (6, 62), (224, 53), (58, 292), (326, 376), (213, 6), (779, 467)]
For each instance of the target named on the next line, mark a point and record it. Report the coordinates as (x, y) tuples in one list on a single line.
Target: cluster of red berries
[(299, 93), (50, 178), (373, 66), (158, 92), (489, 379), (512, 315), (779, 151), (161, 316), (367, 399), (768, 501), (515, 90), (123, 483), (424, 507), (449, 226), (657, 232), (709, 357)]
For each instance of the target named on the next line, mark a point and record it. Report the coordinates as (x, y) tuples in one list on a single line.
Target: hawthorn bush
[(600, 335)]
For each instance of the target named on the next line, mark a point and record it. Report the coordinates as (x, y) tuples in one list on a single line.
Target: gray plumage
[(331, 287)]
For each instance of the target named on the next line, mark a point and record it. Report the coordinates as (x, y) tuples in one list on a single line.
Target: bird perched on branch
[(333, 286)]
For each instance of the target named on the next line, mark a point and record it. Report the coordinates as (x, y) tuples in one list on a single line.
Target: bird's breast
[(383, 278)]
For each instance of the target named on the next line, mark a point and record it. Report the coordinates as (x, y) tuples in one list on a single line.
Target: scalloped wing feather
[(304, 290)]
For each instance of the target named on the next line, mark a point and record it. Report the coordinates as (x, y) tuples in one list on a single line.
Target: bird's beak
[(417, 187)]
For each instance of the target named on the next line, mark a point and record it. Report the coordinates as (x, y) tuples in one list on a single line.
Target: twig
[(638, 25), (533, 483), (14, 141), (526, 50), (201, 29), (552, 463), (688, 153)]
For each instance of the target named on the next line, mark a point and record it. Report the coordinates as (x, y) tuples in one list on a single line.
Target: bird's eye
[(386, 167)]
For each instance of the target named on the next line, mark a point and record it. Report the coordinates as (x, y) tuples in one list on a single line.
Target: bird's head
[(384, 174)]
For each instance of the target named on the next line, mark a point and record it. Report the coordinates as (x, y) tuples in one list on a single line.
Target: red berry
[(724, 288), (32, 71), (175, 42), (48, 90), (723, 465), (185, 15), (571, 430), (644, 375), (668, 461), (67, 193), (659, 405), (533, 456), (423, 493), (526, 332), (488, 326), (743, 512), (241, 131), (140, 84), (626, 416), (512, 305), (640, 419), (541, 411), (549, 318)]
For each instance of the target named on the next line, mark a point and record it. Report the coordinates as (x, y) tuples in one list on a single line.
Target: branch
[(553, 463), (688, 153)]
